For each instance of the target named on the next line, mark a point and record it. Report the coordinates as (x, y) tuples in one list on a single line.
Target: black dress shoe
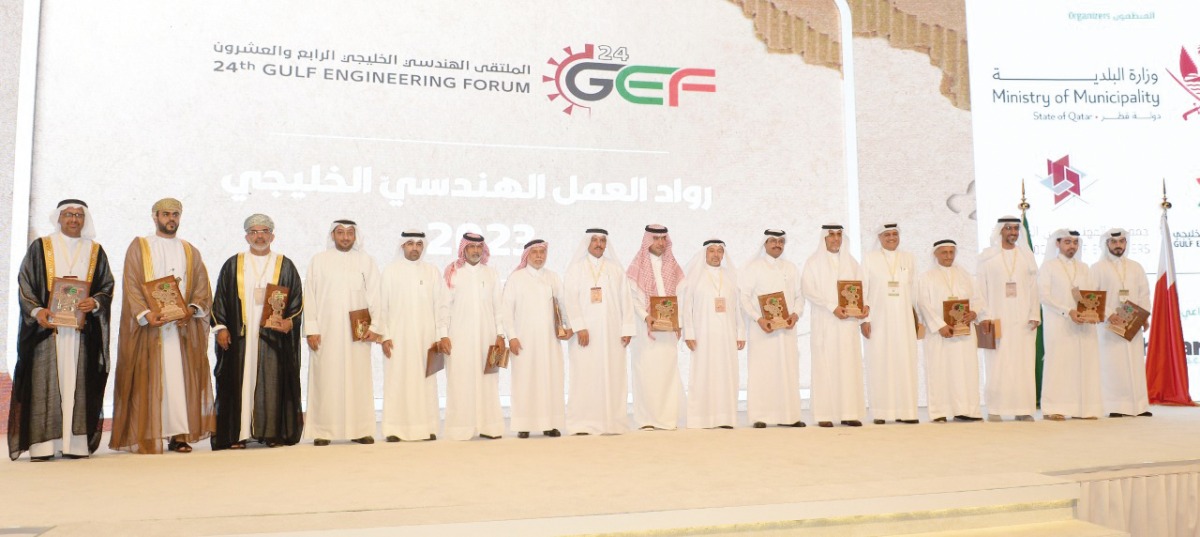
[(490, 437), (433, 437), (647, 427), (393, 438), (522, 434), (798, 424), (1118, 415), (321, 442), (581, 434), (825, 424), (962, 417), (852, 423), (881, 422), (364, 440), (939, 420), (74, 456), (910, 422), (1145, 414), (760, 425), (552, 433), (41, 459), (724, 426)]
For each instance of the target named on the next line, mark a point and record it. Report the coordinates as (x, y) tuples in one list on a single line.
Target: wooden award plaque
[(850, 297), (561, 330), (163, 297), (497, 357), (986, 335), (664, 313), (1090, 305), (65, 296), (954, 314), (360, 324), (276, 305), (434, 361), (774, 309), (1130, 318)]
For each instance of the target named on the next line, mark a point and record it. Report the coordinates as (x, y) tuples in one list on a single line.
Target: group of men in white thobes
[(599, 308)]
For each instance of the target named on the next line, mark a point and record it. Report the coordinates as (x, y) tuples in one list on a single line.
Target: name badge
[(1010, 289), (260, 295), (597, 295), (952, 298), (719, 304), (1123, 293), (893, 288)]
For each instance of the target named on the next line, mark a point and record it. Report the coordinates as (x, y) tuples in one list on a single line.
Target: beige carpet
[(353, 486)]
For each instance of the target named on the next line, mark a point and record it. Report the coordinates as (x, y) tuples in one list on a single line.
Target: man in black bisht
[(258, 361), (58, 384)]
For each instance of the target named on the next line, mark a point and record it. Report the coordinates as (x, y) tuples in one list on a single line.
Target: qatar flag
[(1166, 360)]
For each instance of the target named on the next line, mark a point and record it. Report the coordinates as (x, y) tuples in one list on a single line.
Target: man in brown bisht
[(163, 389)]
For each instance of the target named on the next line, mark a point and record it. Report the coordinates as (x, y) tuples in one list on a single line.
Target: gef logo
[(586, 77)]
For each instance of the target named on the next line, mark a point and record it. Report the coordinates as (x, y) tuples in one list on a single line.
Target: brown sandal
[(179, 446)]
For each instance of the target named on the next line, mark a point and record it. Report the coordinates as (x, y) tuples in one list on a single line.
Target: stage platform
[(1009, 478)]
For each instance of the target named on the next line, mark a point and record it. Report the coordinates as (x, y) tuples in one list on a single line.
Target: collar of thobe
[(948, 276), (534, 271), (1068, 262), (892, 259), (1121, 267), (596, 265), (74, 245)]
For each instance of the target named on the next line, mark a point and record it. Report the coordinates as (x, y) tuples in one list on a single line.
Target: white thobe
[(889, 286), (538, 397), (472, 397), (657, 388), (597, 296), (341, 395), (1071, 370), (1122, 362), (169, 259), (72, 256), (415, 317), (951, 364), (258, 272), (772, 359), (710, 316), (1011, 377), (837, 368)]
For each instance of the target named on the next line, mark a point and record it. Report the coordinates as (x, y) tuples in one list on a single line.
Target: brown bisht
[(35, 414), (138, 390), (277, 417)]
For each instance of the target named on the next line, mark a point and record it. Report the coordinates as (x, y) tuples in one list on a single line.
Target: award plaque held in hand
[(360, 324), (65, 296), (272, 313), (954, 314), (434, 360), (1130, 318), (1090, 305), (774, 309), (163, 297), (664, 313), (497, 357), (850, 297), (987, 334), (560, 325)]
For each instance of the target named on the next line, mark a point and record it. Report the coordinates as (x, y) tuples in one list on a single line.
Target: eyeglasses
[(257, 232), (72, 215)]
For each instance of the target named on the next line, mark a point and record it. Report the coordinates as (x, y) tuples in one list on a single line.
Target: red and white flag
[(1166, 360)]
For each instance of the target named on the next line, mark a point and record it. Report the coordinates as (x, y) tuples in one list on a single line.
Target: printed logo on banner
[(637, 84), (1188, 79), (1064, 180)]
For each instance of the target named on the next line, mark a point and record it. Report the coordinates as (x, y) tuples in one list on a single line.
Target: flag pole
[(1039, 346), (1165, 204)]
